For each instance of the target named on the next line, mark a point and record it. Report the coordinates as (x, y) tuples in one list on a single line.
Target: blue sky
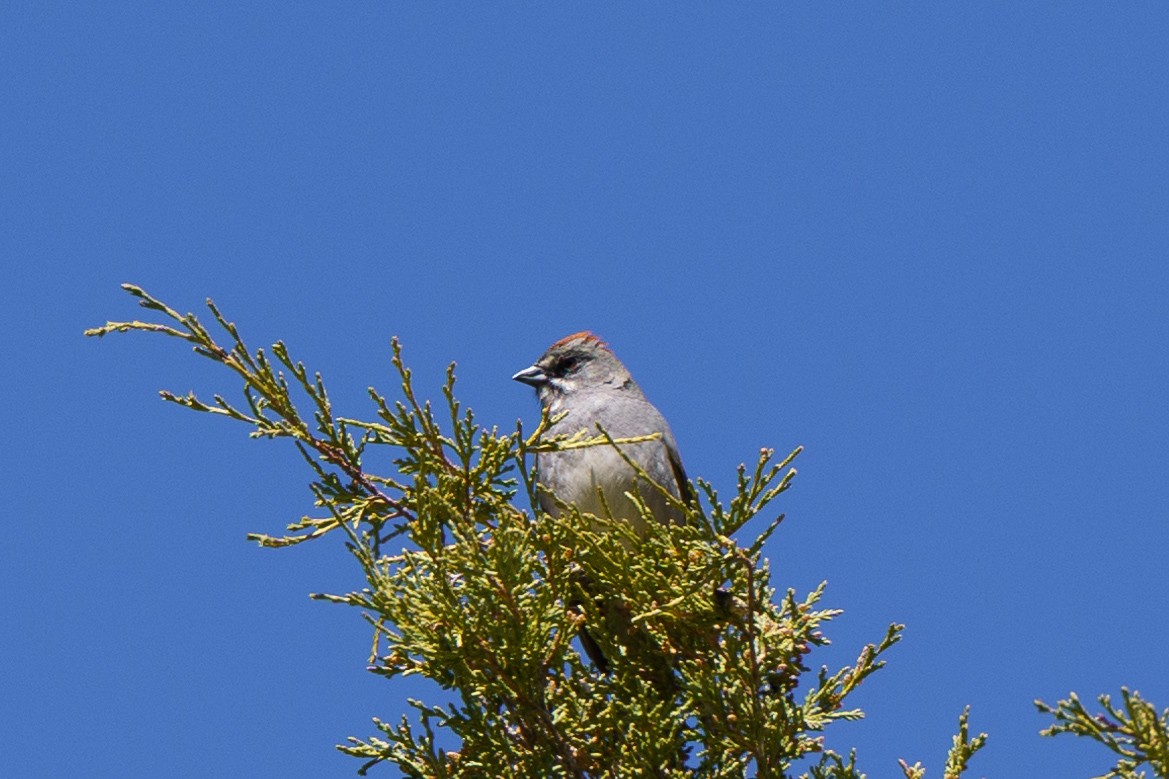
[(928, 242)]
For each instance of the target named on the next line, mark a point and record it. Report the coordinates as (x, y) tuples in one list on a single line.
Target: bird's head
[(577, 363)]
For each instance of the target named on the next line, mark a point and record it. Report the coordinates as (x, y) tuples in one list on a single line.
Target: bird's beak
[(533, 376)]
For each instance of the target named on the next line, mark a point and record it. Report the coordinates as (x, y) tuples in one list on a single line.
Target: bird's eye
[(567, 365)]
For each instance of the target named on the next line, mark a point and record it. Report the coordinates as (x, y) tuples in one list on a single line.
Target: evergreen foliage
[(1133, 730), (465, 586)]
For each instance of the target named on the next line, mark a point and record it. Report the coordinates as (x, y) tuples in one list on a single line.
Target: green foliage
[(1134, 731), (710, 674), (958, 759)]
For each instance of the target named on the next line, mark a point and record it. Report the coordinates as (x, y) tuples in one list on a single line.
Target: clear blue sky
[(928, 242)]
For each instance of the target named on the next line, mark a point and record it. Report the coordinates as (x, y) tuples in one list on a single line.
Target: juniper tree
[(464, 584)]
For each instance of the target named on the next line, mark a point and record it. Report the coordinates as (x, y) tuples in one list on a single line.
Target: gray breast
[(596, 479)]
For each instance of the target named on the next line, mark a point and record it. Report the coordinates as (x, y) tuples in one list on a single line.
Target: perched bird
[(582, 384), (582, 379)]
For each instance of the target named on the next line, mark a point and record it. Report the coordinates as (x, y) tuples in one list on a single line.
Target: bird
[(586, 389)]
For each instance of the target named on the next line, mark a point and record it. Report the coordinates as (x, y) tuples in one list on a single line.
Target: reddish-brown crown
[(584, 335)]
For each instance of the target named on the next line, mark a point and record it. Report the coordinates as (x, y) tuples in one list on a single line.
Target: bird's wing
[(684, 491)]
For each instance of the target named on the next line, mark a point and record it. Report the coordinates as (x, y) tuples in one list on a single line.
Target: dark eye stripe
[(565, 365)]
